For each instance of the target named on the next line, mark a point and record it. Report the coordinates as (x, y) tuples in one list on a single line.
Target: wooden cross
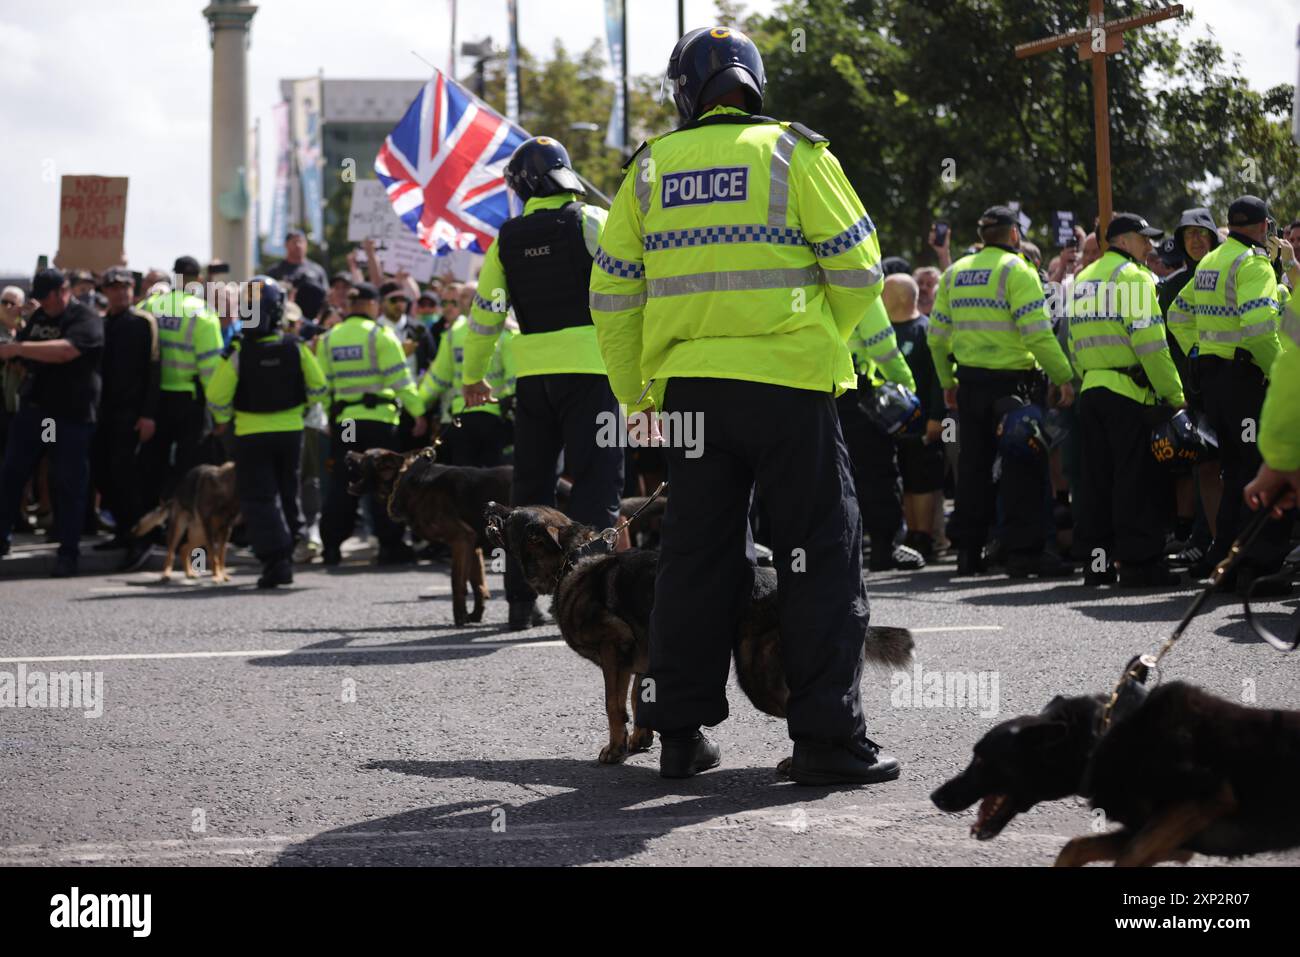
[(1086, 42)]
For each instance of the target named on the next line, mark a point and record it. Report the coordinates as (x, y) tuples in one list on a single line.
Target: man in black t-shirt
[(296, 269), (61, 346)]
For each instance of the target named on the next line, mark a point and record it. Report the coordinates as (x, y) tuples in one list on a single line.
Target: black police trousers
[(181, 422), (563, 411), (268, 477), (1019, 497), (1232, 392), (789, 442), (873, 456), (339, 517), (115, 453), (479, 441), (1124, 497)]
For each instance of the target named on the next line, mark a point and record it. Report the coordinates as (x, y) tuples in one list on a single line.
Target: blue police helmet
[(1021, 431), (894, 409), (709, 63), (541, 167), (270, 304), (1181, 441)]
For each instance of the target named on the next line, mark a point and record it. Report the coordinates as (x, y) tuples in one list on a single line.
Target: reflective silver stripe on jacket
[(642, 182), (1096, 342), (1226, 335), (1155, 345), (1230, 284), (740, 280), (778, 191), (1291, 322), (483, 330), (984, 325), (615, 302), (374, 353), (853, 278)]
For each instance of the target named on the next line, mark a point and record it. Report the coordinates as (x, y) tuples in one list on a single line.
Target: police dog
[(1184, 772), (203, 510), (441, 503), (602, 604)]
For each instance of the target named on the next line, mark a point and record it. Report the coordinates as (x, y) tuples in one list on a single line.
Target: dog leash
[(1149, 661), (609, 536)]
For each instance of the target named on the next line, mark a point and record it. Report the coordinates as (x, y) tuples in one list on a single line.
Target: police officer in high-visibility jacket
[(873, 454), (1278, 480), (189, 340), (369, 384), (989, 328), (265, 381), (1119, 344), (540, 265), (1234, 294), (735, 265), (475, 437)]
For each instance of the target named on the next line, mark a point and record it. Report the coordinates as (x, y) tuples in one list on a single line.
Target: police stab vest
[(270, 376), (548, 268)]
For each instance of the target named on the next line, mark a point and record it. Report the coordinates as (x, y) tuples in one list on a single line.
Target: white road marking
[(352, 650)]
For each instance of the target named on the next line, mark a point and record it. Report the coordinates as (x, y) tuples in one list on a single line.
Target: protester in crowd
[(82, 282), (128, 410), (341, 288), (61, 346), (218, 271), (942, 250), (151, 283), (296, 265), (12, 300), (1090, 252), (920, 458), (927, 284)]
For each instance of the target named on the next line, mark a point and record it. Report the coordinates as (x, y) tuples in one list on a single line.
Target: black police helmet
[(541, 167), (708, 64), (270, 305), (1181, 440), (894, 409)]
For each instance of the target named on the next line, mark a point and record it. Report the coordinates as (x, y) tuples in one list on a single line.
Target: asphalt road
[(346, 720)]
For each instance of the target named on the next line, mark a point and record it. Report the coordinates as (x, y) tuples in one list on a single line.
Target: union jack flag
[(444, 168)]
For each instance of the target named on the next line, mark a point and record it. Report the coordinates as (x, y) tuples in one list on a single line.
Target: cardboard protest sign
[(92, 222), (371, 217)]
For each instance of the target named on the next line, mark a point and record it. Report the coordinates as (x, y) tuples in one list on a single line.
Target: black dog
[(1184, 772), (603, 602)]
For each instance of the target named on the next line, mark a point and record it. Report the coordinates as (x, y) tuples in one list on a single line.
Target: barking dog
[(602, 604), (441, 503), (1184, 772), (203, 510)]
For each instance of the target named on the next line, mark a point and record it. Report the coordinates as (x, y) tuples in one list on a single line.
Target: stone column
[(229, 21)]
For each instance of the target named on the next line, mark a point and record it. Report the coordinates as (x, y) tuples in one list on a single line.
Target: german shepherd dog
[(602, 604), (204, 510), (441, 503), (1184, 772)]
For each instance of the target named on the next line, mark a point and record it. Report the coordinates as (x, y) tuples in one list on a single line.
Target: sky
[(123, 87)]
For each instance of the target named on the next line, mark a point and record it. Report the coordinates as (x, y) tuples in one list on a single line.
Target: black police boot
[(1148, 575), (1043, 564), (276, 572), (331, 556), (921, 543), (64, 567), (850, 763), (684, 754), (525, 615), (399, 554), (970, 561)]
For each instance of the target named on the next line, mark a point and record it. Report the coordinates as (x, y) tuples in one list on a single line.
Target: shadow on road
[(606, 813), (416, 651)]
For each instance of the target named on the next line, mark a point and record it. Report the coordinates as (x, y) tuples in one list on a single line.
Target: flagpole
[(591, 187), (627, 106), (451, 60)]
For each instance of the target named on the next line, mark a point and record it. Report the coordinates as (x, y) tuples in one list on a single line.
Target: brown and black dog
[(602, 604), (440, 503), (203, 510), (1183, 772)]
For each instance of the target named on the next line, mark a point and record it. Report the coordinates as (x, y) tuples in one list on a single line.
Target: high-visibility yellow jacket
[(1279, 425), (225, 380), (1234, 294), (189, 339), (361, 358), (872, 332), (1115, 325), (447, 373), (543, 353), (735, 249), (990, 313), (1181, 318)]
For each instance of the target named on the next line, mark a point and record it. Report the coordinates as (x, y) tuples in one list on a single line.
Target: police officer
[(475, 436), (872, 453), (369, 384), (1278, 480), (989, 328), (265, 380), (1234, 294), (1118, 341), (736, 263), (540, 265), (189, 339)]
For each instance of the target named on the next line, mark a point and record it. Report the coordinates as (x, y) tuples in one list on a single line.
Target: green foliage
[(901, 86)]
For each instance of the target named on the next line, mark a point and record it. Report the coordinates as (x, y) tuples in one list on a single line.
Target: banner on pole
[(614, 37), (310, 153), (274, 245), (512, 63)]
